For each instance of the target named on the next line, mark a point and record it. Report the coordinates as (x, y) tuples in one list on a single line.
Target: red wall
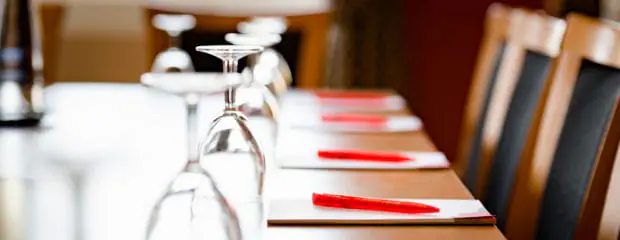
[(442, 42)]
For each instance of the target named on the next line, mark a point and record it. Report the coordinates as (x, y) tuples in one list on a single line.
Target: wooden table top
[(122, 143)]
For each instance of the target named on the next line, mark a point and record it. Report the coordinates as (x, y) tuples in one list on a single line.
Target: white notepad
[(310, 160), (453, 211), (393, 124), (387, 103)]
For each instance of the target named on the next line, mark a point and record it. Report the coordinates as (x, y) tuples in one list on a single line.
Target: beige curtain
[(368, 45)]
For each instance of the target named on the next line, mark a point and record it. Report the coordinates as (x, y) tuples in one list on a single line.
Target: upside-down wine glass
[(255, 99), (231, 153), (173, 59), (255, 96), (270, 26), (192, 206)]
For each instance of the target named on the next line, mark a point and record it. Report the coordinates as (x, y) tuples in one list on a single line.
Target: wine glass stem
[(230, 66), (192, 131), (78, 194), (252, 60), (174, 39)]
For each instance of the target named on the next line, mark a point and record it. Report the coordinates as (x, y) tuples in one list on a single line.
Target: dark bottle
[(21, 65)]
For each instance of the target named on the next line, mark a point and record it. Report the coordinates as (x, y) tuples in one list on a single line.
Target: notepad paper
[(307, 98), (310, 160), (392, 124), (452, 211)]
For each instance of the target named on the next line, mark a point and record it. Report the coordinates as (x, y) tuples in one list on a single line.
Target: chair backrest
[(311, 53), (533, 40), (489, 59), (51, 17), (525, 34), (565, 166)]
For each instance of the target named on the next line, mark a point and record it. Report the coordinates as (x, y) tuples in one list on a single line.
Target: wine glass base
[(229, 52)]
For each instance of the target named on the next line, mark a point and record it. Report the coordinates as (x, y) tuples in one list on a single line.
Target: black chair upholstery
[(589, 112), (471, 175), (522, 107)]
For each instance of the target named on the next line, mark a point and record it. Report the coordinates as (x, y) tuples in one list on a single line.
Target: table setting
[(193, 155)]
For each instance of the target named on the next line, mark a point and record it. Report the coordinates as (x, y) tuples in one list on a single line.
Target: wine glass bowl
[(230, 155), (192, 206), (232, 139)]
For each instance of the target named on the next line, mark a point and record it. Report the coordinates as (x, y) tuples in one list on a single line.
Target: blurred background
[(399, 44)]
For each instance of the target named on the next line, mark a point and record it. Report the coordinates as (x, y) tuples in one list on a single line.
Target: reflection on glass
[(173, 59), (231, 153)]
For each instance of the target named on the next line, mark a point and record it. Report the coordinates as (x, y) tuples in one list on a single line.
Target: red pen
[(349, 95), (362, 156), (362, 203), (352, 118), (362, 103)]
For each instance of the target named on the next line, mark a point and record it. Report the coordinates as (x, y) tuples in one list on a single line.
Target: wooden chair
[(51, 22), (312, 52), (566, 165), (489, 58), (531, 40)]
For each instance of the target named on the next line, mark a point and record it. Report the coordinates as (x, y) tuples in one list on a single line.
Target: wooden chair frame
[(528, 31), (610, 220), (495, 33), (313, 49), (589, 39)]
